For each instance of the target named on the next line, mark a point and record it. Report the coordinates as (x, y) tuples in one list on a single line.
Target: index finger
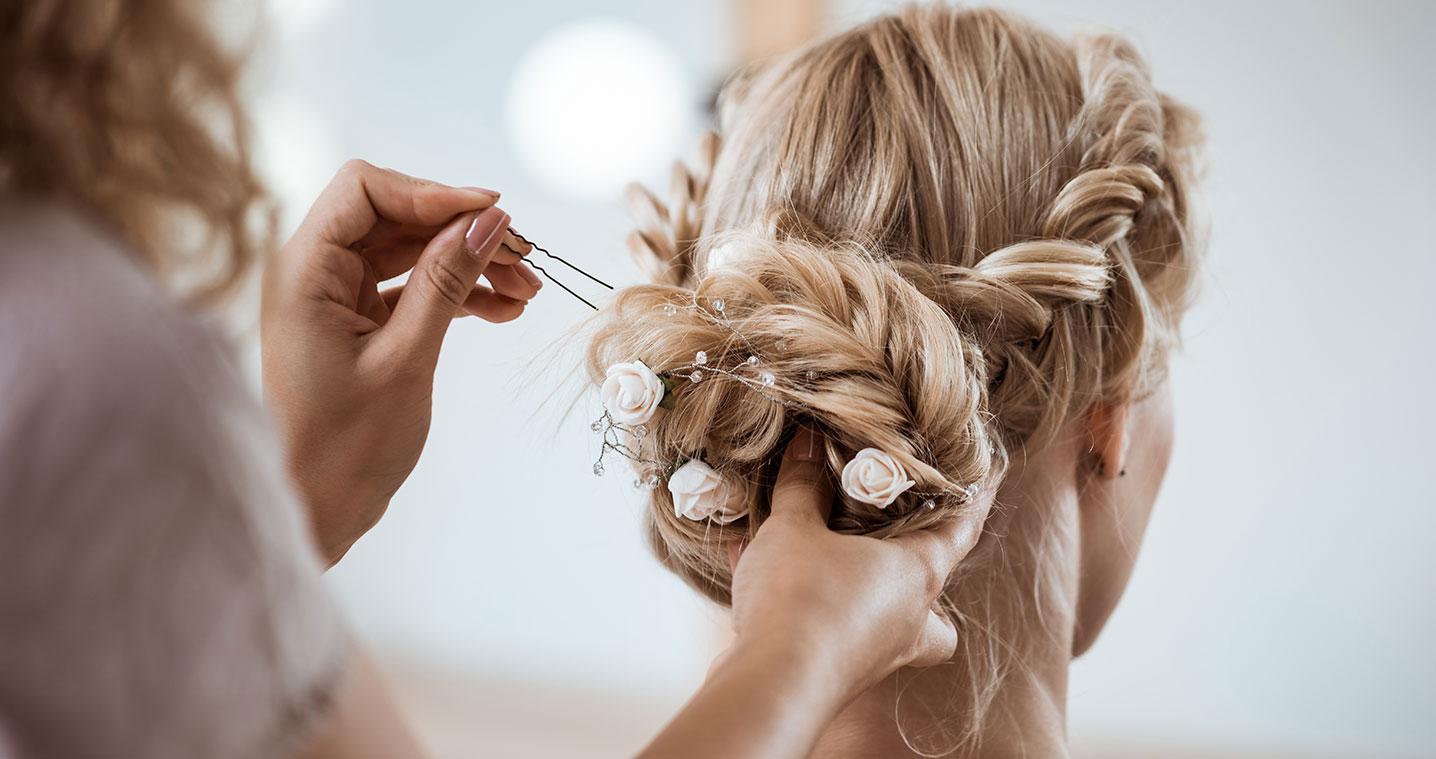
[(360, 195)]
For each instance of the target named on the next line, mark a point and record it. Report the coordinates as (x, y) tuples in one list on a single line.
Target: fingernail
[(528, 275), (486, 231), (491, 193), (807, 443)]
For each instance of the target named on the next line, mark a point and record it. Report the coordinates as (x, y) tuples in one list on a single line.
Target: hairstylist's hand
[(819, 617), (348, 369), (859, 602)]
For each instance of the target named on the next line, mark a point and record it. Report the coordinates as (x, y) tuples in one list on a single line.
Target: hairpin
[(563, 261)]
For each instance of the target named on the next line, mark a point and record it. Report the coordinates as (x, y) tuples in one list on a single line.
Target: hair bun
[(850, 343)]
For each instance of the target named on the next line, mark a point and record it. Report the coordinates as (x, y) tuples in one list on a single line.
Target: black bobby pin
[(544, 272)]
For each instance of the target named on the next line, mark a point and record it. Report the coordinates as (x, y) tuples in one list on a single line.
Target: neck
[(914, 713)]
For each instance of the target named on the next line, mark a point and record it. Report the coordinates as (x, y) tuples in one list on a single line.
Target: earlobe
[(1108, 439)]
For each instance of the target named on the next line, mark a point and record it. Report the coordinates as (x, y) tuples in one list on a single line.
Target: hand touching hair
[(948, 233), (855, 346)]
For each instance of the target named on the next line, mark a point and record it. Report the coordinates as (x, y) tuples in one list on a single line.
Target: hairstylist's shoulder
[(137, 465), (115, 400), (84, 326)]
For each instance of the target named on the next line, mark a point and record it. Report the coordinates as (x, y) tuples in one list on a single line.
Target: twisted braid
[(936, 363), (964, 231), (851, 342), (663, 243)]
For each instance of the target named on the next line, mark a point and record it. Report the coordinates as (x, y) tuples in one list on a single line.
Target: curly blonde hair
[(130, 109), (947, 233)]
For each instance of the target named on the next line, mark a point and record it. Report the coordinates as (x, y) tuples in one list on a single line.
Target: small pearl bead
[(696, 376), (701, 358), (767, 378)]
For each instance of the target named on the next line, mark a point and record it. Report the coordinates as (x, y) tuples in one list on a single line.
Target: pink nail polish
[(487, 230), (484, 190), (808, 443)]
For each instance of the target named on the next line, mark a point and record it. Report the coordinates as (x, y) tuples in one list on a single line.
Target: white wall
[(1284, 598)]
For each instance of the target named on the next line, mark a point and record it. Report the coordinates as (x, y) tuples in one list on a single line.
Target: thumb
[(442, 279), (804, 490)]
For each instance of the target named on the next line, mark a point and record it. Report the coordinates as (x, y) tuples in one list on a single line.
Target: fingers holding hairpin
[(482, 302), (517, 281), (492, 306), (397, 250), (517, 244), (506, 257)]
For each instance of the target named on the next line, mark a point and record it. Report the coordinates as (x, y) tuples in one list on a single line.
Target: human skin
[(1096, 485), (349, 373), (818, 617), (348, 369)]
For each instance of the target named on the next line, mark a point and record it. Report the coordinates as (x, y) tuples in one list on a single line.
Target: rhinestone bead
[(718, 305), (596, 426), (670, 310), (752, 361), (701, 358), (653, 481), (598, 468), (696, 376), (767, 378), (929, 504), (637, 484), (640, 432), (811, 375), (782, 345)]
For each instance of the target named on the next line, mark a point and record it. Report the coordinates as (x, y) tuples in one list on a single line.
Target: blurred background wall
[(1283, 603)]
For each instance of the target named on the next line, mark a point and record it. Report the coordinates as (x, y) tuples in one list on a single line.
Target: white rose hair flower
[(632, 392), (700, 493), (874, 477)]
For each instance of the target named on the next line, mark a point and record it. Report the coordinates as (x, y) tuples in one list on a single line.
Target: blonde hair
[(947, 233), (129, 109)]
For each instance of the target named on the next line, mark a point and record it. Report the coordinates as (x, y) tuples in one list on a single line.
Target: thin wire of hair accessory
[(561, 260), (633, 393)]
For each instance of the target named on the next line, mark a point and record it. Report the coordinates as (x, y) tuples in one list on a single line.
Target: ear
[(1107, 438)]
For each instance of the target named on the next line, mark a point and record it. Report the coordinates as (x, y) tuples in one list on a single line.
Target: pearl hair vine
[(872, 476), (633, 393)]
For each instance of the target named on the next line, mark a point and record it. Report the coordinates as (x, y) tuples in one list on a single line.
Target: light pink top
[(158, 593)]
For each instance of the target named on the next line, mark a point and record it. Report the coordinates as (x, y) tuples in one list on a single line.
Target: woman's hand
[(819, 617), (348, 368), (866, 604)]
